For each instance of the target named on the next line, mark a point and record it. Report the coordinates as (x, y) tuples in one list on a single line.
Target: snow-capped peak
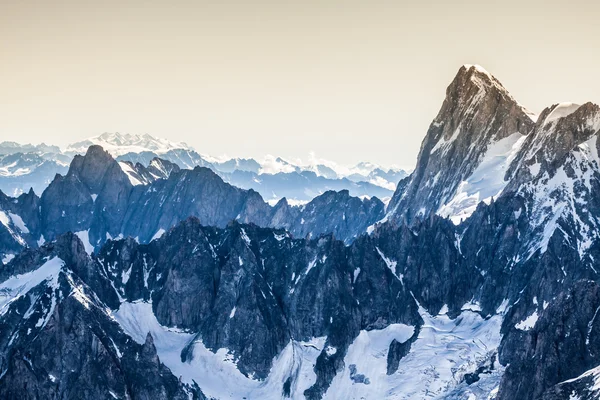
[(478, 68), (562, 110), (118, 144), (483, 79)]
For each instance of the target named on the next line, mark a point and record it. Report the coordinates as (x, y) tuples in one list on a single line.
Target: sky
[(347, 80)]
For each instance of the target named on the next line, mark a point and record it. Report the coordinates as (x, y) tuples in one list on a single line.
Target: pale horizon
[(349, 81)]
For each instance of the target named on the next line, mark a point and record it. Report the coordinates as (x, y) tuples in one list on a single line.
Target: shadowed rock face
[(253, 290), (563, 344), (197, 279), (59, 341), (94, 196), (283, 288)]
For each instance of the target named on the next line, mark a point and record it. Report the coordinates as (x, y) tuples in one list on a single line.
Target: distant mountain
[(29, 166), (23, 166), (7, 148), (100, 198), (121, 143)]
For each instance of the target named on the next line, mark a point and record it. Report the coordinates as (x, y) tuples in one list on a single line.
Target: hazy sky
[(349, 80)]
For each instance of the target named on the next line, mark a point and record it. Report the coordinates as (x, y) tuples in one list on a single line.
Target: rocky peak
[(93, 168), (479, 123), (162, 167)]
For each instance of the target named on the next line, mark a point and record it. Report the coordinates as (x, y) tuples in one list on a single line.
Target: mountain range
[(33, 166), (137, 278)]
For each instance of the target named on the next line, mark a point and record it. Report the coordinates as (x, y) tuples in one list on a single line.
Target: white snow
[(274, 165), (368, 354), (502, 307), (486, 182), (18, 222), (594, 373), (84, 236), (561, 111), (534, 169), (125, 275), (279, 238), (564, 196), (158, 234), (245, 237), (471, 306), (479, 68), (6, 221), (311, 265), (330, 350), (528, 322), (18, 285), (381, 182), (217, 373), (390, 264), (78, 293), (130, 173), (444, 144), (371, 229)]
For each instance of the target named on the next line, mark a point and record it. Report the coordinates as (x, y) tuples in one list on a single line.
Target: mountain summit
[(466, 151)]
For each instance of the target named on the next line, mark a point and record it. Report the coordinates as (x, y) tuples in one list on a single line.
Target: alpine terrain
[(143, 270)]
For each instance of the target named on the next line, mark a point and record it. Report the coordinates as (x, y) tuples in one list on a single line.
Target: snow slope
[(217, 373), (19, 285), (486, 181), (446, 350)]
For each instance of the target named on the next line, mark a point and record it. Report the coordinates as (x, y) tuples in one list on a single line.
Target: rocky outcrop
[(59, 341), (157, 169), (19, 223), (563, 344)]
